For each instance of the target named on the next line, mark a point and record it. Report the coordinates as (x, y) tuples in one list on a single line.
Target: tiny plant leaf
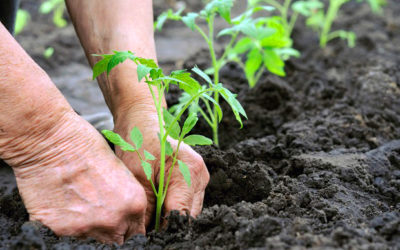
[(184, 169), (149, 156), (168, 149), (194, 140), (137, 137), (147, 169), (189, 123), (190, 20), (117, 140), (174, 128)]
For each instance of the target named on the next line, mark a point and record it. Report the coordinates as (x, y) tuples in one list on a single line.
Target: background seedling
[(58, 8), (262, 40), (21, 21), (321, 20), (169, 127)]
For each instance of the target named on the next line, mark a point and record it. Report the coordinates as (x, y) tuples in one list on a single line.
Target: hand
[(179, 195), (73, 183)]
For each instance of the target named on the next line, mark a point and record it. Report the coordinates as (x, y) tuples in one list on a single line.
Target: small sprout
[(58, 8), (48, 52), (21, 21), (169, 126), (321, 21)]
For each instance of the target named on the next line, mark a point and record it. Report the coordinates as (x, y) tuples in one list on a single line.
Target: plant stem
[(159, 195), (292, 22), (284, 11), (334, 6), (172, 168), (216, 77)]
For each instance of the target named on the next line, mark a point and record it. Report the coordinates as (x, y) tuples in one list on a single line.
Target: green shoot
[(321, 20), (58, 8), (264, 41), (169, 124), (21, 21), (48, 52)]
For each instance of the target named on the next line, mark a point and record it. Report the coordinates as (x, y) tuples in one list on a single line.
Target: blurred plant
[(321, 20), (58, 8), (265, 40), (158, 84), (21, 21), (48, 52), (212, 113)]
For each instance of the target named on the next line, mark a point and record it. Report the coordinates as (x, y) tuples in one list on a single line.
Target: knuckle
[(199, 171)]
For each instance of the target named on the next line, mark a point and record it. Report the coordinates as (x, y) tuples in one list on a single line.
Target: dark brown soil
[(317, 165)]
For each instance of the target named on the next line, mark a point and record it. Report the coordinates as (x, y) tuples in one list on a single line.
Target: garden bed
[(317, 164)]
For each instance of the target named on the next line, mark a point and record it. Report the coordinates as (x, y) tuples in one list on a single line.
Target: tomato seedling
[(321, 20), (169, 127), (262, 40), (58, 8)]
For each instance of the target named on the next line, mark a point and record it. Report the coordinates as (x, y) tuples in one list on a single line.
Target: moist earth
[(316, 165)]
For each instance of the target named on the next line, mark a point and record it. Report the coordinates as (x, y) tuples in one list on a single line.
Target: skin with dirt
[(316, 165)]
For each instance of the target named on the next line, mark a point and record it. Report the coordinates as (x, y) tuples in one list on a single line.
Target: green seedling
[(321, 20), (48, 52), (58, 8), (169, 124), (284, 8), (21, 21), (262, 40)]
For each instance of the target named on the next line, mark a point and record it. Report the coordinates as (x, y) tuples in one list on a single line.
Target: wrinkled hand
[(179, 195), (73, 183)]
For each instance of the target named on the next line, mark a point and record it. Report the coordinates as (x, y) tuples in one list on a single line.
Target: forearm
[(26, 93), (104, 26)]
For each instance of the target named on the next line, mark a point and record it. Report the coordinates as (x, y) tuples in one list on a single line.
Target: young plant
[(321, 20), (288, 21), (262, 40), (21, 21), (169, 126), (58, 8)]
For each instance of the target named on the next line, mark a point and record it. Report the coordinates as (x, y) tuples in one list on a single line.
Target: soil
[(317, 164)]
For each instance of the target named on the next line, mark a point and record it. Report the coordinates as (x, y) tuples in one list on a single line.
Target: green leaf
[(189, 123), (194, 140), (48, 52), (216, 105), (182, 101), (202, 74), (306, 8), (21, 21), (237, 108), (273, 62), (223, 7), (46, 7), (316, 20), (117, 140), (161, 20), (101, 66), (58, 16), (175, 129), (243, 45), (149, 156), (137, 137), (253, 63), (184, 169), (147, 169), (147, 62), (142, 71), (119, 57), (190, 20), (168, 148), (185, 82)]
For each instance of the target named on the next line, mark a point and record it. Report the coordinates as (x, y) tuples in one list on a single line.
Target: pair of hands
[(80, 188)]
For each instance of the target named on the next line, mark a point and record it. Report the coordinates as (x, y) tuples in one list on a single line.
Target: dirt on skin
[(317, 165)]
